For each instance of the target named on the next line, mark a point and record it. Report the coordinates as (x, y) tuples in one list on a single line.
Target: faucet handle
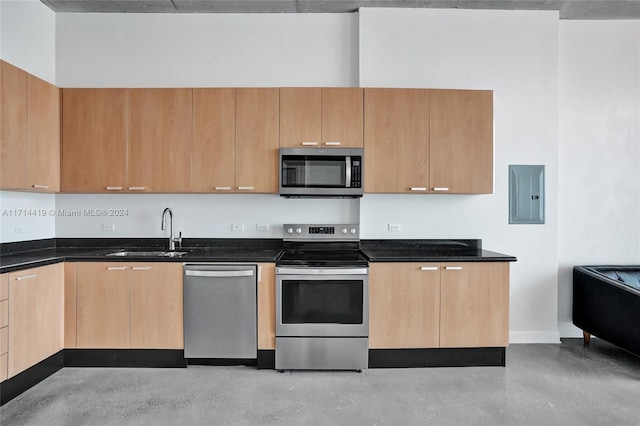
[(178, 239)]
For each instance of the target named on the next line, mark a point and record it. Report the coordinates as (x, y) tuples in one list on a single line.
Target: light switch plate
[(526, 194)]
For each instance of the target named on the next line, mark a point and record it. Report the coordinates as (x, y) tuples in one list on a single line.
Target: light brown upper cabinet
[(321, 117), (429, 141), (159, 150), (396, 132), (257, 140), (30, 131), (94, 140), (461, 141), (213, 164), (13, 127)]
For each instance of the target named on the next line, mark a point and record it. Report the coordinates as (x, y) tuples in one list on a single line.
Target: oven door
[(322, 302)]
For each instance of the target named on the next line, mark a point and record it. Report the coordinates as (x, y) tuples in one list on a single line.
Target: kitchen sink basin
[(147, 253)]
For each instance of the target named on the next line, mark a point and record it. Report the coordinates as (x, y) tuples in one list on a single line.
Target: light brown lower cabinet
[(123, 305), (4, 325), (156, 306), (266, 306), (447, 305), (404, 306), (35, 316)]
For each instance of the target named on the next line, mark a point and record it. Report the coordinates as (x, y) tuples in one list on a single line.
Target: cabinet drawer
[(4, 313), (3, 367), (4, 340)]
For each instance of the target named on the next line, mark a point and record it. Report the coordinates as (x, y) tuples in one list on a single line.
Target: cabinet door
[(396, 142), (103, 305), (94, 140), (266, 306), (156, 306), (13, 127), (461, 140), (213, 165), (159, 140), (300, 117), (404, 305), (343, 117), (257, 140), (43, 135), (475, 305), (35, 316)]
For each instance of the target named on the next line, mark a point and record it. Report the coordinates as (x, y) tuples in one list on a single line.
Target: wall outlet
[(262, 227), (18, 230), (237, 227), (108, 226), (394, 227)]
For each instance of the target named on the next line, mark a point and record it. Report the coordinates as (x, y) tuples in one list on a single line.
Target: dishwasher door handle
[(219, 274)]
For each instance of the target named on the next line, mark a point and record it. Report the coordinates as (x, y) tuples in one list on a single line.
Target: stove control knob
[(353, 230), (344, 230), (289, 230), (298, 230)]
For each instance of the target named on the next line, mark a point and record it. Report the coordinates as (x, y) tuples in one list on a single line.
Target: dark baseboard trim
[(222, 361), (266, 359), (149, 358), (30, 377), (437, 357)]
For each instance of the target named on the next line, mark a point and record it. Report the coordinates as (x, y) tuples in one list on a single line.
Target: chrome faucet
[(172, 240)]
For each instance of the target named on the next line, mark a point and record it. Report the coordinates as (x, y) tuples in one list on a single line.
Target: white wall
[(196, 215), (599, 150), (516, 55), (200, 50), (27, 37), (27, 40), (26, 216)]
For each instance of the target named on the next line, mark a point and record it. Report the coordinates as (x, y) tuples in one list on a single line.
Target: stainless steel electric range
[(322, 299)]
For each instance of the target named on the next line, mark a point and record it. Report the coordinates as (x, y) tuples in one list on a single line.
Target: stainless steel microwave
[(321, 172)]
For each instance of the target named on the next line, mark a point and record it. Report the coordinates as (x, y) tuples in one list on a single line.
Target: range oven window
[(313, 171), (322, 301)]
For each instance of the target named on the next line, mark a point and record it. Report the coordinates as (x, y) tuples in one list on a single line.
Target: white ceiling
[(568, 9)]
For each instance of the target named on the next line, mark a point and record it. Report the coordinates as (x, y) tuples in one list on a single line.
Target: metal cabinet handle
[(418, 188), (222, 188), (26, 277), (453, 268), (116, 268), (309, 143), (246, 188), (428, 268), (40, 186), (141, 268), (333, 143), (137, 188), (219, 274), (442, 188), (114, 188)]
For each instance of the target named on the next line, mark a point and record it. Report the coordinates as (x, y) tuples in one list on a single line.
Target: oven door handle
[(348, 172), (322, 271)]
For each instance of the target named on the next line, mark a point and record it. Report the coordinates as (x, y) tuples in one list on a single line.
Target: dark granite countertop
[(430, 251), (15, 258), (31, 254)]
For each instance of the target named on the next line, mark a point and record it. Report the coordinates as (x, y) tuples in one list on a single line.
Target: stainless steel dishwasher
[(220, 312)]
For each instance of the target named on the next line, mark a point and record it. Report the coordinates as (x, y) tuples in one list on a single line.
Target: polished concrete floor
[(566, 384)]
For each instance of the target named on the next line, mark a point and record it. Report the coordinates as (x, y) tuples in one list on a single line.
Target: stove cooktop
[(323, 258)]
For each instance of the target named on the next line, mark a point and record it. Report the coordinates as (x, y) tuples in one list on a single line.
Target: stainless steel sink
[(147, 253)]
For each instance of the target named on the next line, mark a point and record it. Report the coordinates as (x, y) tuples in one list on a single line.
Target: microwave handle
[(348, 171)]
